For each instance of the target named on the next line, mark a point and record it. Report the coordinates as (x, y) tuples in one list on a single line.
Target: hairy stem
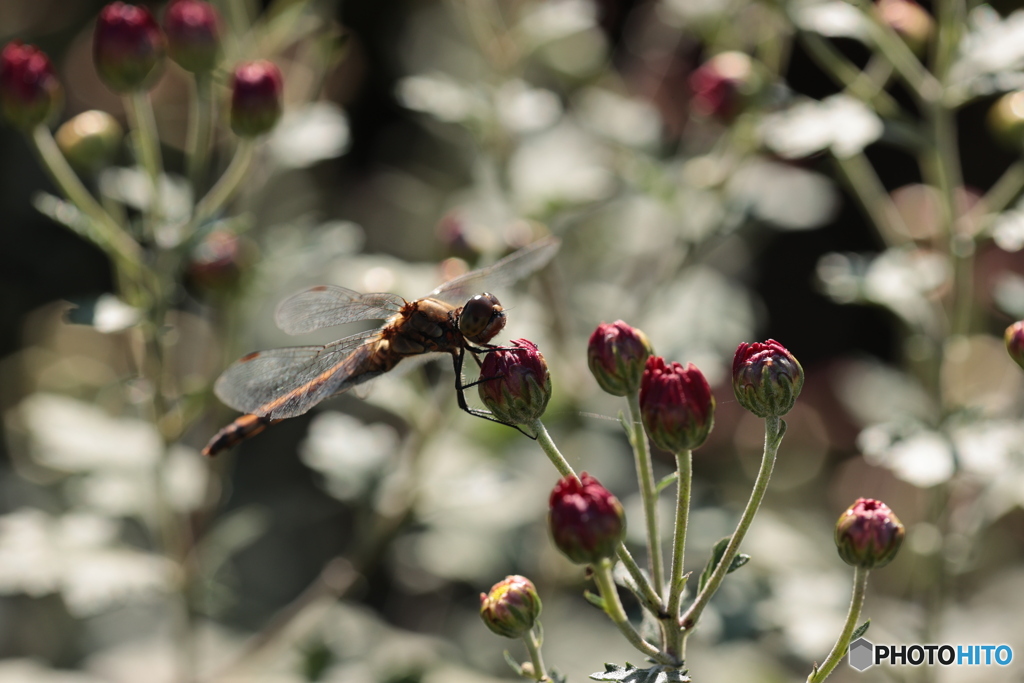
[(648, 493), (551, 450), (860, 582), (684, 464)]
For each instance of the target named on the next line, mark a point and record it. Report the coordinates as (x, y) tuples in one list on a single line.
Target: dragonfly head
[(482, 318)]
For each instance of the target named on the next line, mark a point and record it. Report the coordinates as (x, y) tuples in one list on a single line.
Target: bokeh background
[(350, 544)]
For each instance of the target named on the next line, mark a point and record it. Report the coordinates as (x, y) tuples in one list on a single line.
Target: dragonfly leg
[(460, 392)]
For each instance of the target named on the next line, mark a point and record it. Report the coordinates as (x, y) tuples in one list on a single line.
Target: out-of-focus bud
[(1006, 120), (90, 140), (218, 262), (127, 47), (517, 385), (193, 35), (616, 355), (511, 607), (587, 521), (724, 85), (676, 405), (255, 98), (766, 378), (913, 24), (29, 91), (1014, 338), (868, 534)]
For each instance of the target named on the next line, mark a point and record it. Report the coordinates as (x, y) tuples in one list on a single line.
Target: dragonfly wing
[(330, 305), (282, 383), (508, 270)]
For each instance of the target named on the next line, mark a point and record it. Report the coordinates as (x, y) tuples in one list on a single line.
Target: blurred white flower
[(40, 554), (560, 166), (131, 186), (313, 133), (991, 54), (74, 436), (923, 459), (113, 315), (989, 448), (1008, 229), (625, 120), (523, 109), (557, 19), (876, 393), (185, 478), (784, 195), (902, 280), (832, 18), (839, 123), (349, 453), (440, 96)]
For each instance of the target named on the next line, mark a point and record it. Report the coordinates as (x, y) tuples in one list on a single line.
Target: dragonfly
[(458, 317)]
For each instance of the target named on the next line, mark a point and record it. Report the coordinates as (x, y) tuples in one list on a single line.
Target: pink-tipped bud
[(587, 522), (90, 140), (255, 98), (218, 262), (29, 91), (616, 355), (516, 385), (676, 405), (910, 21), (868, 534), (766, 378), (127, 47), (512, 607), (724, 85), (193, 35), (1014, 339)]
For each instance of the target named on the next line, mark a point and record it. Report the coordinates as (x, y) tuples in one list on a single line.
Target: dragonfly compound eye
[(482, 318)]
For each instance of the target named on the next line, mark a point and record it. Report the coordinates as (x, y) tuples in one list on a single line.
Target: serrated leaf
[(516, 666), (716, 556), (594, 599), (665, 482), (659, 673), (860, 630)]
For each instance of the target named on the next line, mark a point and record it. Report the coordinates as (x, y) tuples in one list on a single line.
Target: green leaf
[(594, 599), (557, 676), (860, 630), (716, 556), (737, 562), (658, 673), (516, 666), (665, 482)]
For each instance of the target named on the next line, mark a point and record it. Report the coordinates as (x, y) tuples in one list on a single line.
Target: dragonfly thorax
[(482, 318)]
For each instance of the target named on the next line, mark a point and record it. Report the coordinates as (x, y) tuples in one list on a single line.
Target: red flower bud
[(723, 85), (1014, 338), (90, 140), (29, 91), (868, 534), (127, 47), (511, 607), (193, 35), (218, 261), (676, 405), (516, 385), (255, 98), (587, 522), (766, 378), (911, 21), (616, 356)]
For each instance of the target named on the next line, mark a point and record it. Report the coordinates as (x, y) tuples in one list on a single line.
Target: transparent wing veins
[(329, 305), (508, 270)]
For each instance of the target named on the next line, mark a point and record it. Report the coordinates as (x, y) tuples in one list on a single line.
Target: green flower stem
[(999, 196), (613, 608), (200, 132), (147, 144), (648, 493), (556, 458), (860, 582), (125, 251), (846, 74), (228, 184), (684, 464), (533, 647), (774, 430), (649, 597), (876, 202), (922, 83)]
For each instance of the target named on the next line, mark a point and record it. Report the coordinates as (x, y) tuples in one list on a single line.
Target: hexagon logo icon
[(861, 654)]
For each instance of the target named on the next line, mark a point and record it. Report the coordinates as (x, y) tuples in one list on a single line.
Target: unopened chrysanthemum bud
[(587, 522), (90, 140), (616, 356), (676, 405), (29, 91), (766, 378), (255, 98), (193, 35), (724, 85), (511, 607), (218, 261), (127, 47), (868, 534), (1014, 339), (516, 385), (910, 21)]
